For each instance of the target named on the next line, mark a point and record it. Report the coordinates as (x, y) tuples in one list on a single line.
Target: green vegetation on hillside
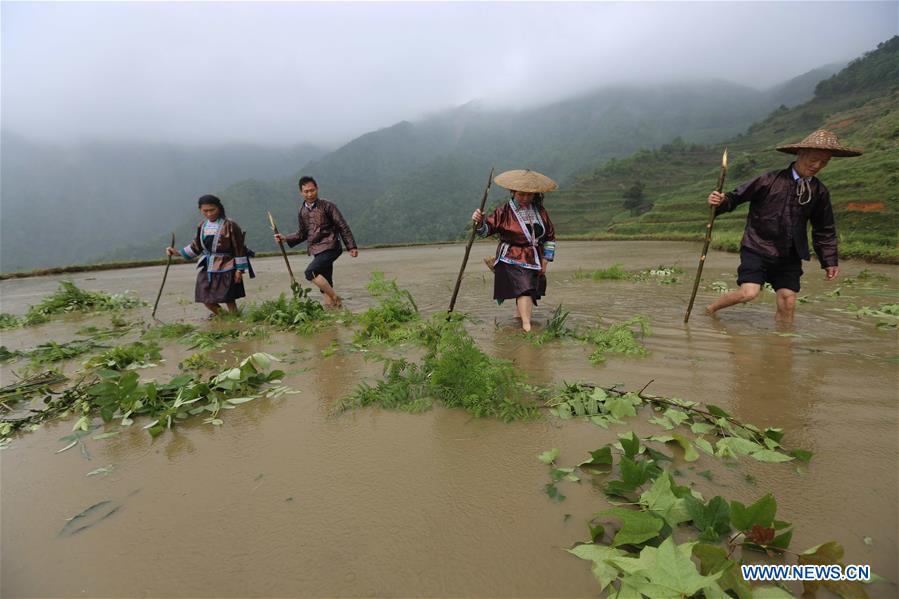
[(677, 177)]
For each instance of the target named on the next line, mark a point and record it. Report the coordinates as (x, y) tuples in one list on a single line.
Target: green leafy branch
[(454, 371), (298, 313), (608, 405), (120, 395), (171, 330), (390, 319), (642, 557), (618, 338), (69, 298), (887, 314), (205, 340), (665, 275)]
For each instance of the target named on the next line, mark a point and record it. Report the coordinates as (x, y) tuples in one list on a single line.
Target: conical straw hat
[(821, 140), (525, 180)]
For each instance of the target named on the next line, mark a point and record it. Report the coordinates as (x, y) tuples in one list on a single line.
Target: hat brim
[(526, 181), (836, 152)]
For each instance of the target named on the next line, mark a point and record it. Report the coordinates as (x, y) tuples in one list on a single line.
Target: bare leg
[(746, 293), (525, 306), (232, 307), (786, 305), (214, 308), (331, 298)]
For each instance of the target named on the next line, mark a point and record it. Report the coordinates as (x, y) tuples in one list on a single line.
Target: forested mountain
[(418, 181), (800, 89), (73, 204), (660, 193), (413, 181)]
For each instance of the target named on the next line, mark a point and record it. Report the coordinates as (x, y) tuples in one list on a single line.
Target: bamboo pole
[(165, 274), (708, 235), (474, 230), (294, 286)]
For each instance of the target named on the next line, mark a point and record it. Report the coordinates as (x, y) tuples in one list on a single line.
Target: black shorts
[(782, 273), (323, 264)]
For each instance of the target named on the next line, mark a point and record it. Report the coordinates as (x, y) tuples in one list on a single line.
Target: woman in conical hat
[(781, 205), (527, 240)]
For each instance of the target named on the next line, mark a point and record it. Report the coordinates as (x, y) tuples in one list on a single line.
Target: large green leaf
[(619, 407), (675, 416), (663, 422), (704, 445), (801, 454), (760, 513), (600, 459), (690, 453), (636, 527), (630, 444), (701, 428), (769, 455), (661, 501), (716, 411), (628, 591), (712, 520), (604, 572), (713, 559), (634, 473), (731, 447), (782, 541), (664, 572)]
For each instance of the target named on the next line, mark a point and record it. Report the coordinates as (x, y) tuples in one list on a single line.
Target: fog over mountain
[(323, 73), (80, 201), (116, 116)]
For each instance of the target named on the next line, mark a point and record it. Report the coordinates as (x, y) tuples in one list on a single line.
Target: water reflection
[(771, 385), (336, 365)]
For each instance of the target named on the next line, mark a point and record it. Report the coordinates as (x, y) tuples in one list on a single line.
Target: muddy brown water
[(288, 499)]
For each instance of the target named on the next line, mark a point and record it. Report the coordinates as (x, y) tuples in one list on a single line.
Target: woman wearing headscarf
[(527, 240), (219, 244)]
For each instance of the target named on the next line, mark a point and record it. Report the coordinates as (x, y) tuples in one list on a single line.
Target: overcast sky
[(326, 72)]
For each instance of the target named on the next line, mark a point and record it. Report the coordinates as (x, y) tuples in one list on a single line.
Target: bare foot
[(526, 327)]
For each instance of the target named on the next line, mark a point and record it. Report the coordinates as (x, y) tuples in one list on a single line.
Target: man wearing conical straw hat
[(781, 204), (527, 240)]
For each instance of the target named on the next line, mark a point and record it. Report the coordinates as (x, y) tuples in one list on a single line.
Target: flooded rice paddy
[(288, 499)]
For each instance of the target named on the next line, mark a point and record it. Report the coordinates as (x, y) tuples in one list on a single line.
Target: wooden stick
[(294, 286), (165, 274), (710, 418), (708, 236), (474, 231)]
